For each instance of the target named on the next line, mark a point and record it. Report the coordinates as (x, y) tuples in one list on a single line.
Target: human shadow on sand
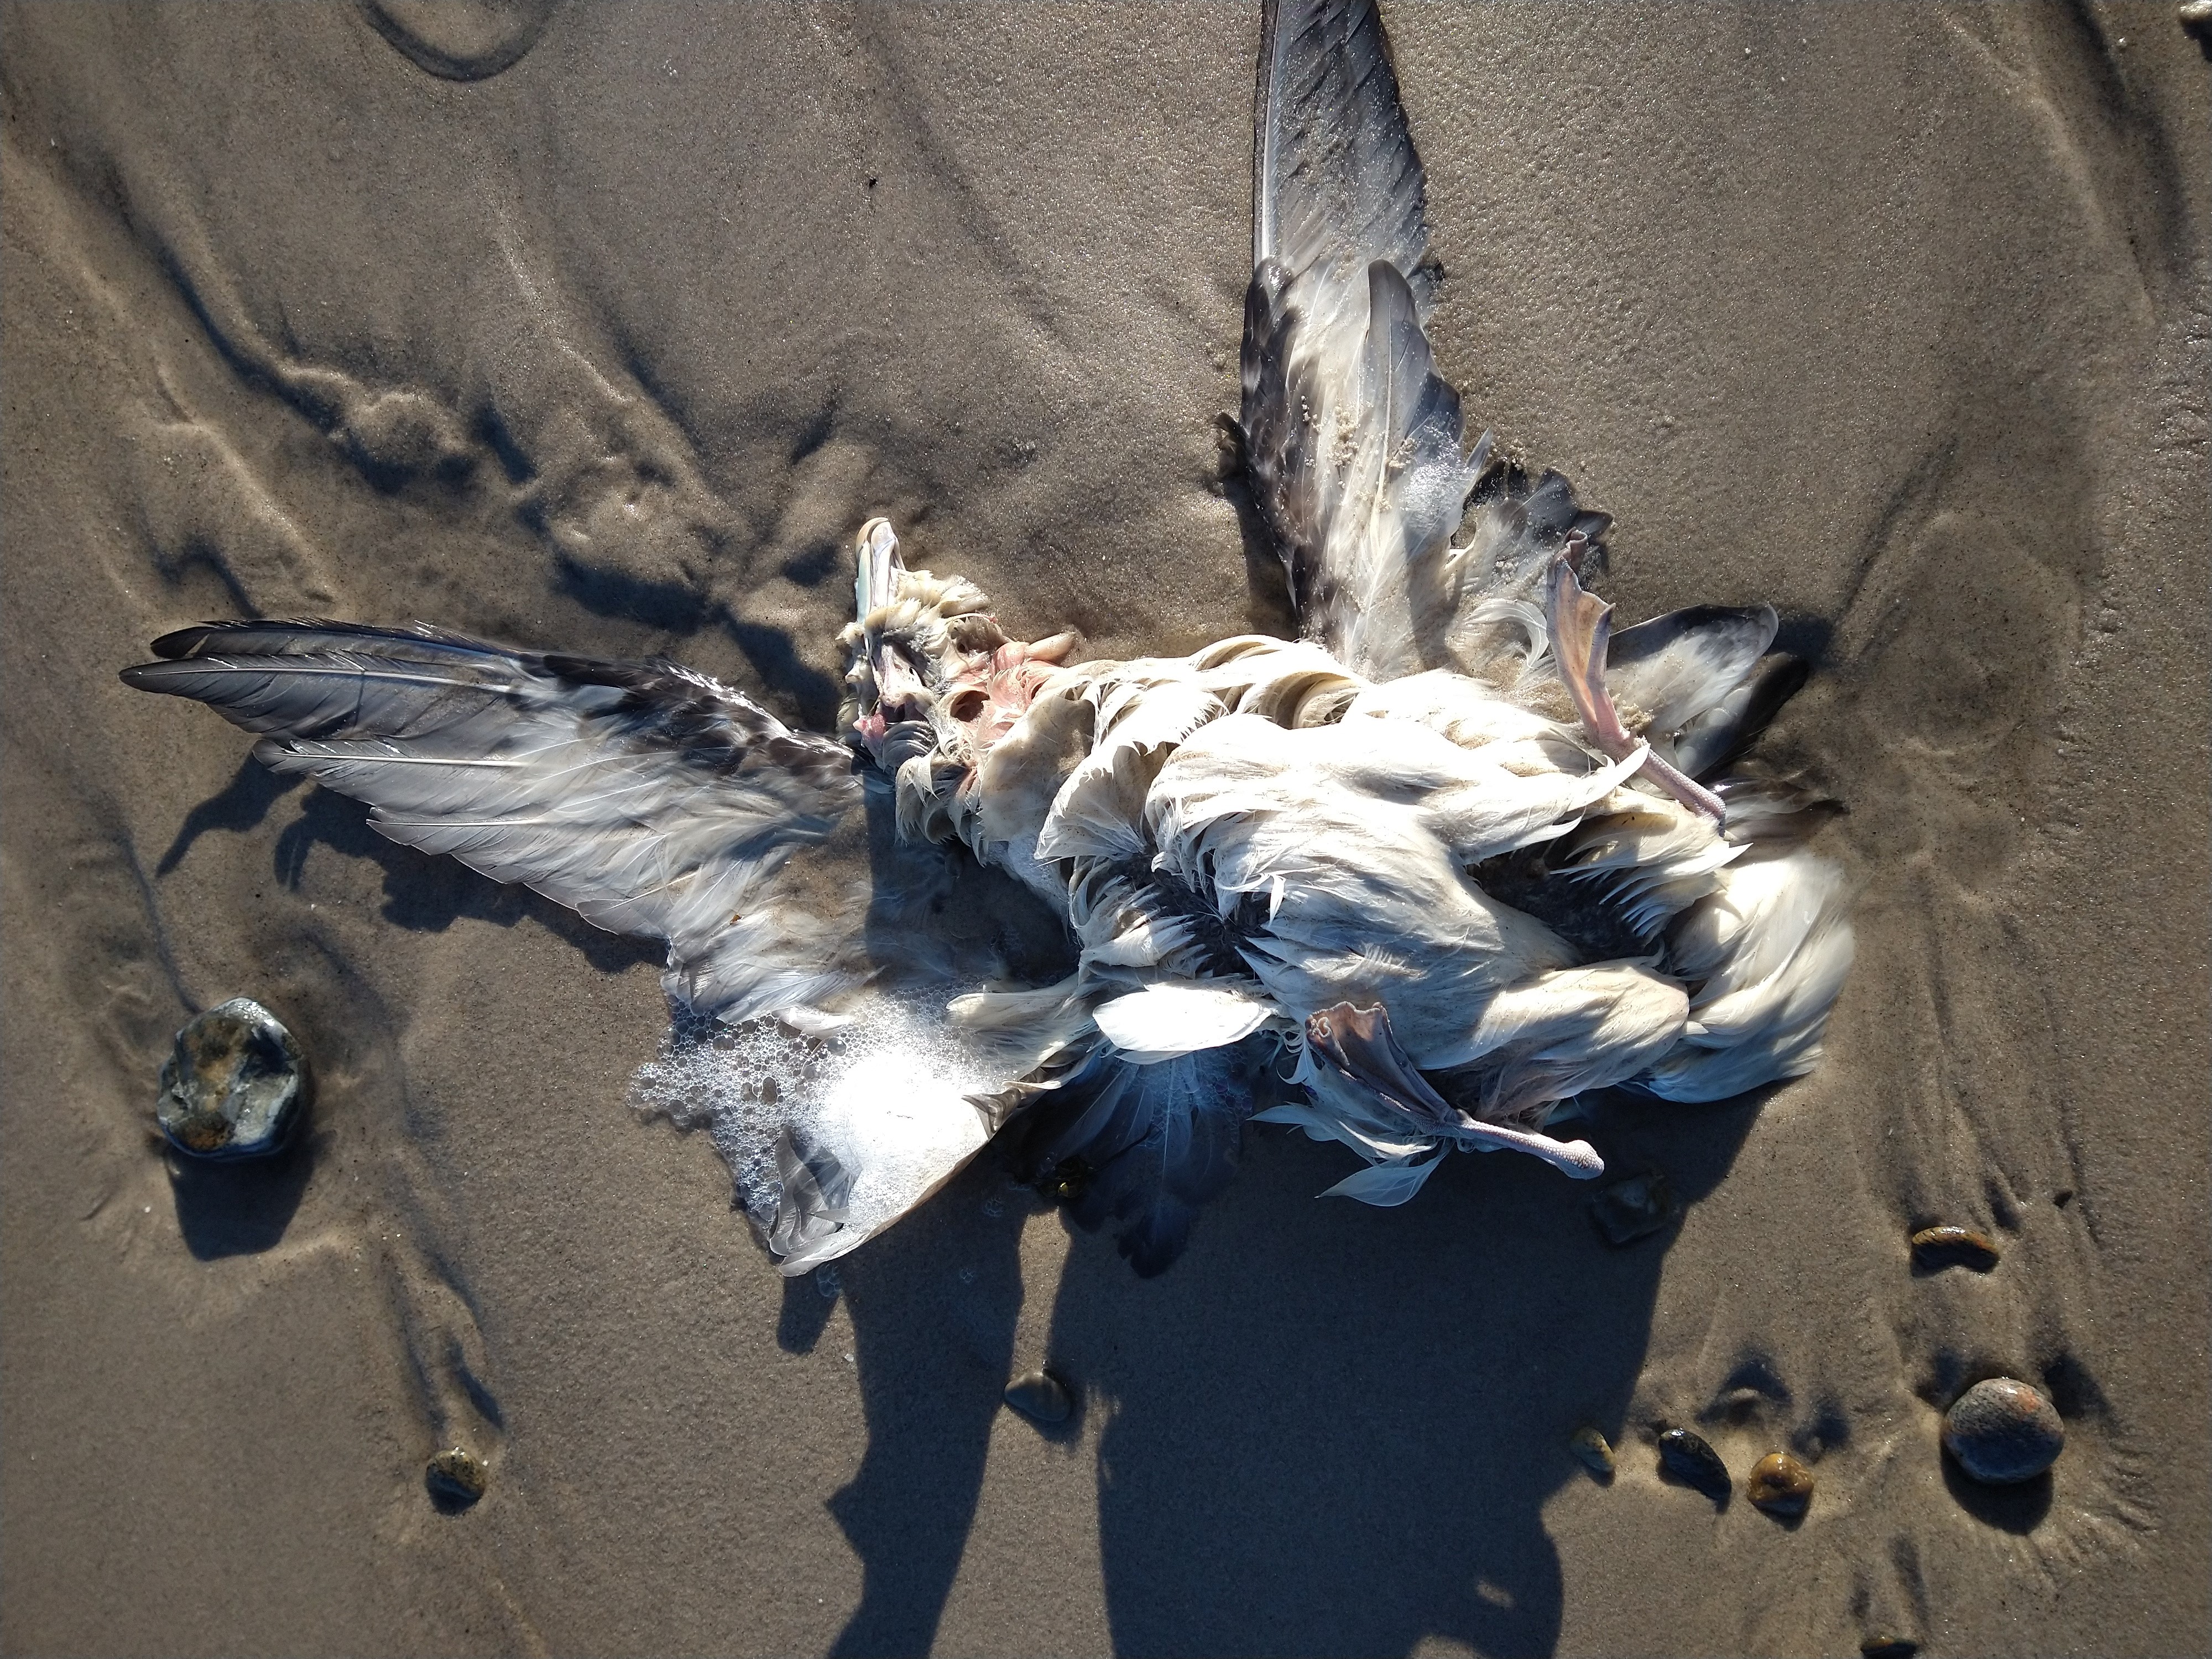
[(1329, 1428)]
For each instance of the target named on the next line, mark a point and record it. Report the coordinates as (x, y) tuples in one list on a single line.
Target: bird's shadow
[(1328, 1429), (681, 609), (427, 894)]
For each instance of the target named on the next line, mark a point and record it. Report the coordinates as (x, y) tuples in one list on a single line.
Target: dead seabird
[(1417, 881)]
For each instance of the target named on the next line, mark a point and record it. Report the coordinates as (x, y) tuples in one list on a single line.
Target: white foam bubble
[(886, 1095)]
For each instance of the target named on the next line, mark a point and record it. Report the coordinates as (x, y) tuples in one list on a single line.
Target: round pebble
[(2002, 1431), (232, 1086), (1687, 1458), (1067, 1181), (1595, 1450), (1626, 1211), (455, 1479), (1934, 1248), (1781, 1486), (1040, 1397)]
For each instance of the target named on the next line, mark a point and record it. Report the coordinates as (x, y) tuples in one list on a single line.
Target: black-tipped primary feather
[(648, 799), (1722, 733), (1675, 667)]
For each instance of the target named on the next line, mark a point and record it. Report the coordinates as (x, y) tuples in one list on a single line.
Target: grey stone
[(1684, 1456), (1041, 1397), (2002, 1431), (1632, 1208), (233, 1084)]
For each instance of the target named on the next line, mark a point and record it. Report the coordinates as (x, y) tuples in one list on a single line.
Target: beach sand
[(1896, 317)]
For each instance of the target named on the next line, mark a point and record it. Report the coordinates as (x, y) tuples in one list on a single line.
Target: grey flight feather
[(1334, 168), (1352, 442), (651, 799)]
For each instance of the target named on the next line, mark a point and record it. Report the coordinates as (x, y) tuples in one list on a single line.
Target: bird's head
[(930, 674)]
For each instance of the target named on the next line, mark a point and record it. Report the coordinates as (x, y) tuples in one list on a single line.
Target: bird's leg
[(1359, 1044), (1580, 624)]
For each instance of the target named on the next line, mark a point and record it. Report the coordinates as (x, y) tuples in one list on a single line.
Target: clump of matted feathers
[(1416, 882)]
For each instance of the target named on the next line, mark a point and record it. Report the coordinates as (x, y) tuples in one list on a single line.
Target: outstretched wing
[(650, 800), (1353, 445), (810, 952)]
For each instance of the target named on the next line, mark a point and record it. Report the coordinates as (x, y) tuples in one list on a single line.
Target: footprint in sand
[(461, 40)]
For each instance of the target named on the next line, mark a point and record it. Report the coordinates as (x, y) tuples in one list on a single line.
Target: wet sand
[(1896, 317)]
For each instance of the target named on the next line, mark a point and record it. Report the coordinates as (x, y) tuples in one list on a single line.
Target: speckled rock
[(2002, 1431), (233, 1085), (1690, 1459), (1041, 1397), (455, 1479), (1781, 1486), (1635, 1208), (1934, 1247), (1595, 1450)]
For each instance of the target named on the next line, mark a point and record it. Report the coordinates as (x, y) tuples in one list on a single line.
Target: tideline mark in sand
[(1417, 881)]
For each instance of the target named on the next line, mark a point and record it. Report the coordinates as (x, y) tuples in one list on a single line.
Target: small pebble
[(1687, 1458), (1627, 1210), (1592, 1448), (1781, 1486), (1040, 1397), (1952, 1247), (455, 1479), (2002, 1431), (1066, 1181), (231, 1087)]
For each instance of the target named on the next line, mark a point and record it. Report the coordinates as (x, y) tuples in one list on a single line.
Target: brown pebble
[(455, 1479), (1595, 1450), (1781, 1486), (1954, 1247)]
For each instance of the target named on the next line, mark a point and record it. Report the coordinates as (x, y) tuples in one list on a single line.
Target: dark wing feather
[(1721, 733), (1676, 667), (1334, 172), (1353, 443), (648, 799), (1139, 1148)]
